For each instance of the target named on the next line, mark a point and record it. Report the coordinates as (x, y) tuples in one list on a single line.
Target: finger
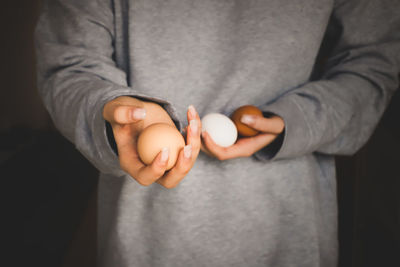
[(193, 130), (146, 174), (121, 114), (274, 125), (192, 113), (130, 161), (180, 170), (211, 148), (188, 154), (244, 147), (219, 152)]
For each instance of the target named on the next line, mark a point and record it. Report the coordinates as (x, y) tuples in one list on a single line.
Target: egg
[(242, 128), (221, 129), (157, 136)]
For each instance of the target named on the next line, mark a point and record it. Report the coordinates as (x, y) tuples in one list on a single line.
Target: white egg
[(221, 129)]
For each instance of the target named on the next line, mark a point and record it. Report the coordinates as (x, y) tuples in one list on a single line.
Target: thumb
[(124, 114), (273, 125)]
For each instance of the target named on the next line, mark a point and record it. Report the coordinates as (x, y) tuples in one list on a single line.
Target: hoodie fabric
[(271, 209)]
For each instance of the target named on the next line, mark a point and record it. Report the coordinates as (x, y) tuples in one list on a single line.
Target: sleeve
[(337, 113), (77, 74)]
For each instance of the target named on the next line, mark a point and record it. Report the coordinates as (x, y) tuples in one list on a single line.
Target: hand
[(269, 129), (128, 116)]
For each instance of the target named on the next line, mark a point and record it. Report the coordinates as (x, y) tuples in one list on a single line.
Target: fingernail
[(192, 111), (138, 113), (187, 151), (194, 126), (247, 119), (164, 154)]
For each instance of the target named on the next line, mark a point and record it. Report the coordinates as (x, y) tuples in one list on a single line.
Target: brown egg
[(243, 129), (157, 136)]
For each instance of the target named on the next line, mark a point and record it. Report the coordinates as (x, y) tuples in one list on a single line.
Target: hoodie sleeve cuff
[(294, 140)]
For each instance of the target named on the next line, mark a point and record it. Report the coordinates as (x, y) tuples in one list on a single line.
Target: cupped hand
[(128, 117), (188, 155), (269, 129)]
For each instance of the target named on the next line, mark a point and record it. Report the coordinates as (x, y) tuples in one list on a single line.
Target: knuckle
[(157, 172), (169, 184), (184, 170), (196, 146), (143, 182), (116, 112), (220, 157)]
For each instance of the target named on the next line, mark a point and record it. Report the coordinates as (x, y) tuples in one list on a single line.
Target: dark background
[(48, 189)]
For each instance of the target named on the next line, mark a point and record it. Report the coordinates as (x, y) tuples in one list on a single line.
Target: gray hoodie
[(271, 209)]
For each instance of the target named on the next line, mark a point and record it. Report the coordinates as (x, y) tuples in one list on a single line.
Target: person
[(108, 68)]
